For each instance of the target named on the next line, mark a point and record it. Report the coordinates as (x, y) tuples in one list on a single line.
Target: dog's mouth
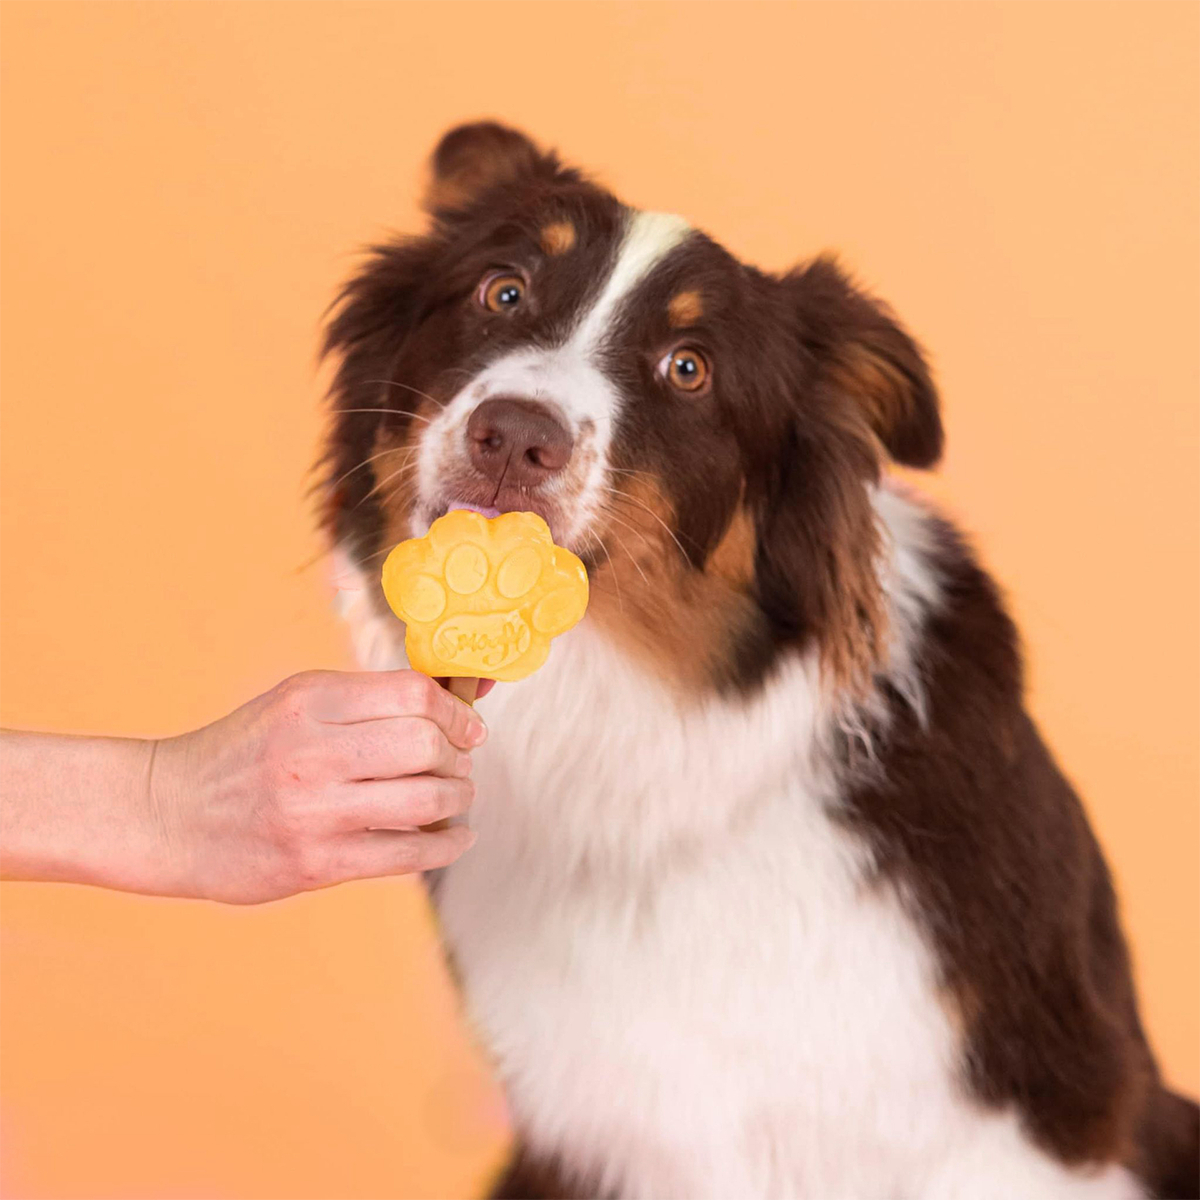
[(555, 514), (482, 510)]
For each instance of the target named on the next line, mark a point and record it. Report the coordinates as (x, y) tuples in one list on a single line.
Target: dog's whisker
[(621, 542), (394, 492), (399, 412), (365, 462), (408, 387), (614, 516), (382, 483), (670, 532), (366, 558), (612, 566)]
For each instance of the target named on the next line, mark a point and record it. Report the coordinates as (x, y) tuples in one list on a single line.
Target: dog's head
[(703, 434)]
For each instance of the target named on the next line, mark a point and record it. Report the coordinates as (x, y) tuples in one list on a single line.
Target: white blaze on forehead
[(568, 378), (649, 238)]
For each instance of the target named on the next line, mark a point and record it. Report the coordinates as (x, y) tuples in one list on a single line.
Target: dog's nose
[(518, 441)]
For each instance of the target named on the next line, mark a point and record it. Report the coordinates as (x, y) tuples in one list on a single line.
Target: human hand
[(327, 777)]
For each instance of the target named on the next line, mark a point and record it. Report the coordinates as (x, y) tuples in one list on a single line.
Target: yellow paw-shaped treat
[(482, 598)]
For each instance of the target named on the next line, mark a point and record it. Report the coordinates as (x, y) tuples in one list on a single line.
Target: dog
[(777, 891)]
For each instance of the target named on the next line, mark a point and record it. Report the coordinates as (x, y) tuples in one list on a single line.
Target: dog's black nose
[(518, 441)]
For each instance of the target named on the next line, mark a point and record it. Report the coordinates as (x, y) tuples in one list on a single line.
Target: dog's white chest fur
[(683, 994), (690, 980)]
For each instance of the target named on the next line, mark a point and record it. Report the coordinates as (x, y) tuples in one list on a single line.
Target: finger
[(370, 855), (393, 747), (402, 803), (352, 696)]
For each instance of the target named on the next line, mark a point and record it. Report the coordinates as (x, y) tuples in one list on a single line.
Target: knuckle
[(305, 819), (309, 863), (456, 797), (427, 803), (426, 743), (294, 695), (296, 686), (293, 815), (287, 831), (416, 693)]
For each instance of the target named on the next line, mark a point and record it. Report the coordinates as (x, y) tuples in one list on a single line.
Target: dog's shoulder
[(968, 812)]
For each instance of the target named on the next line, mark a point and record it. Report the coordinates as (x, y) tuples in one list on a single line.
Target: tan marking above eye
[(558, 237), (685, 369), (501, 292), (685, 308)]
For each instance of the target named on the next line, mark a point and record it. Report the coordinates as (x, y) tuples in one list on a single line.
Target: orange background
[(183, 187)]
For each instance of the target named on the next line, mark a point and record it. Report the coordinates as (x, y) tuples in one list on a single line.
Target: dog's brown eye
[(685, 369), (501, 293)]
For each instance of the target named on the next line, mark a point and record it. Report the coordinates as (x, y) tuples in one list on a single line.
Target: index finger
[(354, 696)]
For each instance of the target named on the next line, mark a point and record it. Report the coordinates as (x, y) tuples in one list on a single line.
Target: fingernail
[(464, 764), (478, 733)]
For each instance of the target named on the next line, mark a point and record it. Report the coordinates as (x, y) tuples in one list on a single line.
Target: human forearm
[(80, 809)]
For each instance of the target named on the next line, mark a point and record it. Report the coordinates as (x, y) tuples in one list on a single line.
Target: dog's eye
[(501, 293), (685, 369)]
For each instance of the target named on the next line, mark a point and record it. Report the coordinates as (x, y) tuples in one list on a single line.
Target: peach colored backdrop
[(183, 187)]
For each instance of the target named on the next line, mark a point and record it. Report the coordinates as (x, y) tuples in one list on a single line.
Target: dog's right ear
[(868, 361), (472, 159)]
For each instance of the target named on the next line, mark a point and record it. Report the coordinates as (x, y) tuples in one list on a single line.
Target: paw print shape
[(483, 597)]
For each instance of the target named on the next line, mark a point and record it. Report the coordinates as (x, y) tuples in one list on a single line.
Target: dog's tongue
[(483, 512)]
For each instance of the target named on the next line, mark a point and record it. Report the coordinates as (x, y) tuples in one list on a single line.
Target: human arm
[(324, 778)]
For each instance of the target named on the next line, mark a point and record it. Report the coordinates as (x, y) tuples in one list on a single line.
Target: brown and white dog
[(777, 891)]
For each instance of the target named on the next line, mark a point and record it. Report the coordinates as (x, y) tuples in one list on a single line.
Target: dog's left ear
[(472, 159), (862, 353)]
